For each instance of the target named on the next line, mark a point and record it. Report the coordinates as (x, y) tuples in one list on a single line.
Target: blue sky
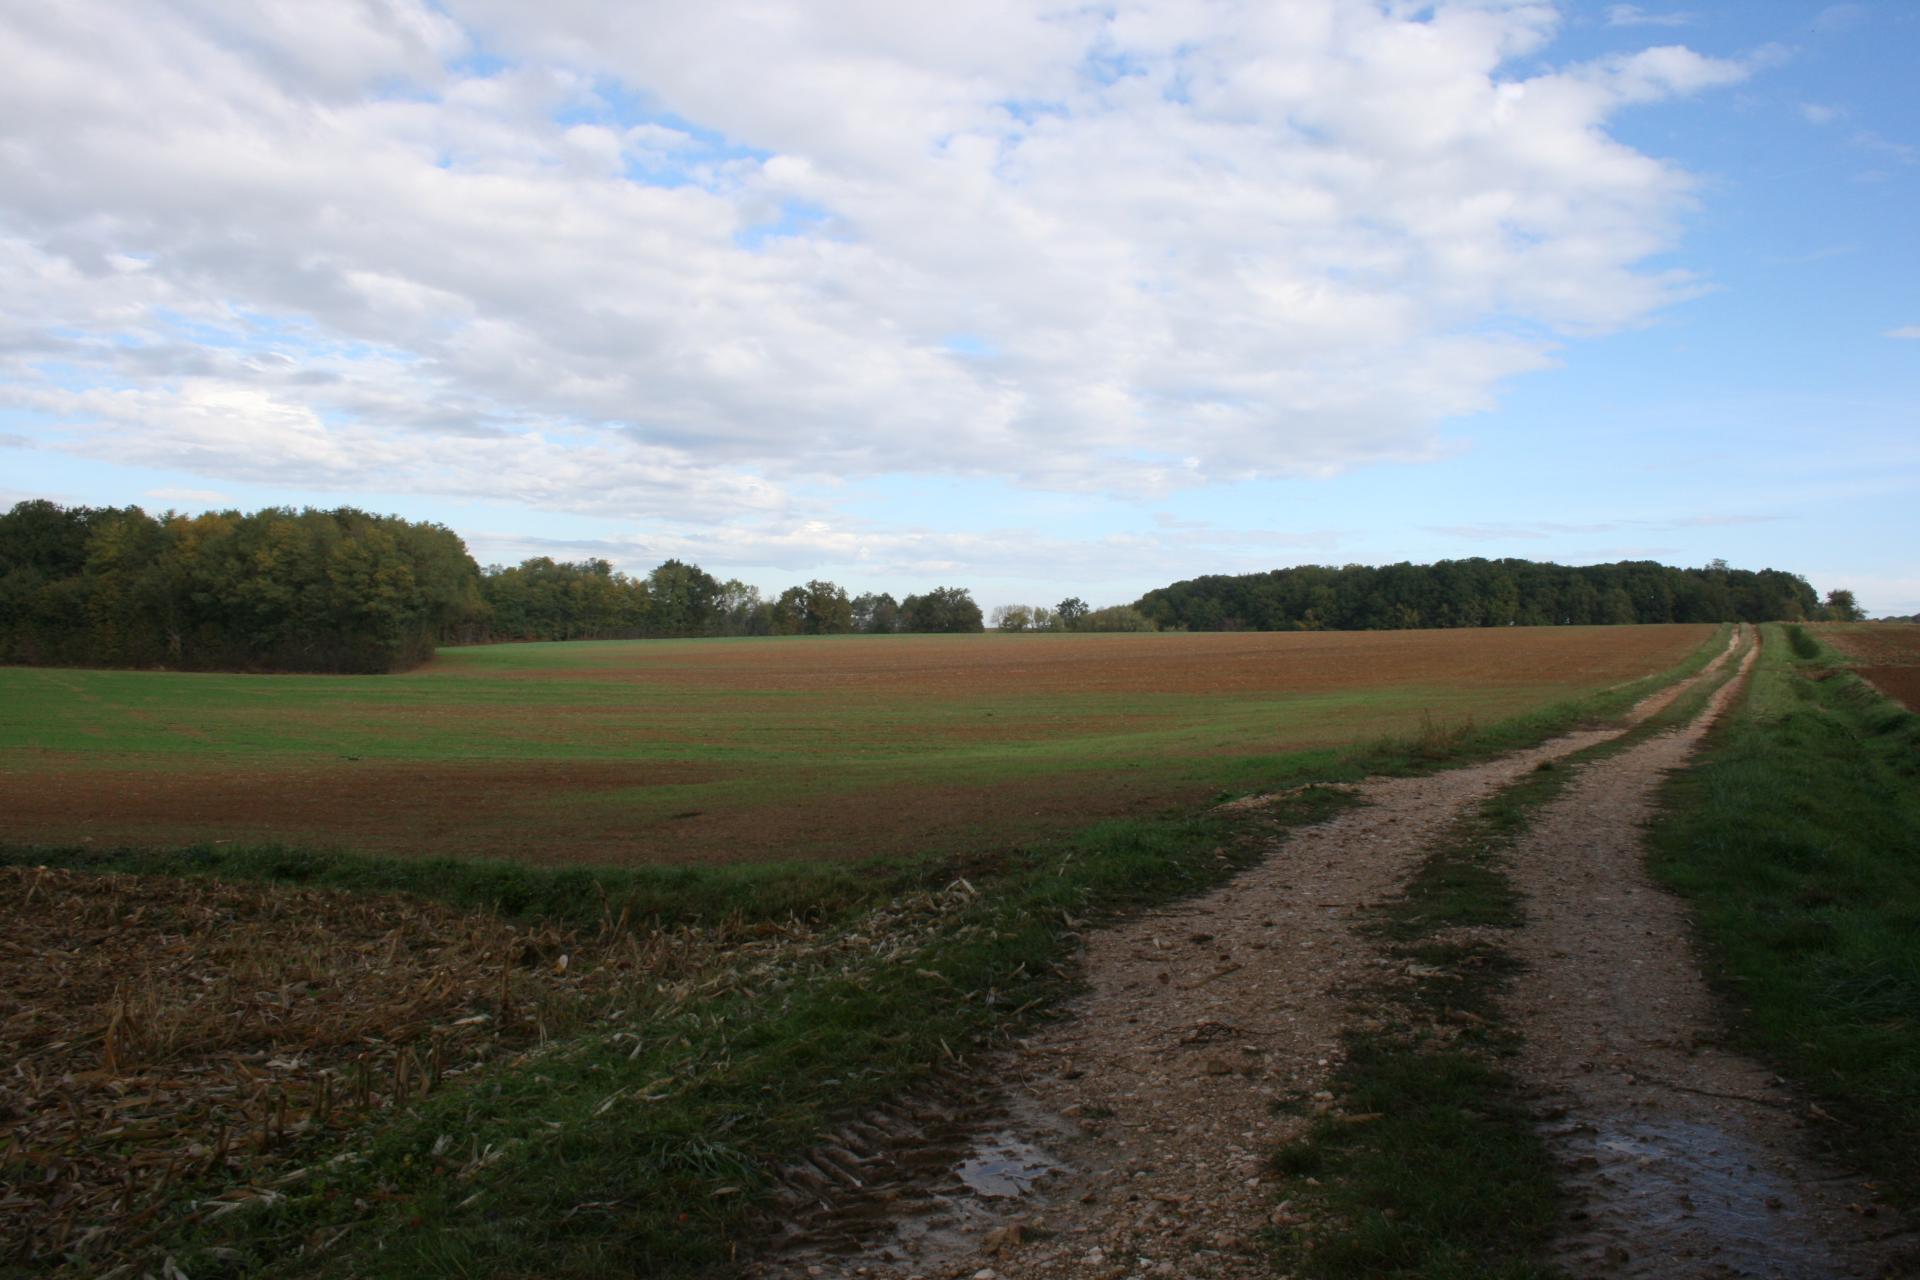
[(1041, 300)]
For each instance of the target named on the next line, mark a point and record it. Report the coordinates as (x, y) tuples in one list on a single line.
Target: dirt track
[(1130, 1137), (1686, 1159)]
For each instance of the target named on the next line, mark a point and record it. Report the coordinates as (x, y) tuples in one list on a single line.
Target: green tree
[(943, 609), (1012, 617), (1840, 606), (278, 589), (744, 612), (1119, 617), (875, 614), (790, 612), (828, 611), (683, 599)]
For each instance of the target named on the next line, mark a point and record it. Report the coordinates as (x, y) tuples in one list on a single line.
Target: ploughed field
[(1886, 653), (754, 749)]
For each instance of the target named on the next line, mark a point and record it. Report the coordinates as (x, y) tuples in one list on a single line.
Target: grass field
[(744, 750)]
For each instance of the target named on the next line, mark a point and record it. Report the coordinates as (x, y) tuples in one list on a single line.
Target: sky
[(1036, 299)]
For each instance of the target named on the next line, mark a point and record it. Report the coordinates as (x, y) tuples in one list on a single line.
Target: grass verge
[(641, 1149), (1425, 1161), (1796, 839)]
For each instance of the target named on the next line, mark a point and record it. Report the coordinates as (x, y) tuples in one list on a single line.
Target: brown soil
[(414, 808), (539, 814), (1201, 663), (1899, 683), (1686, 1158), (1137, 1126), (169, 1033), (1885, 643), (1886, 654)]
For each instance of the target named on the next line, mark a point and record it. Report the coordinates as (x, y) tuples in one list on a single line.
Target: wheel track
[(1686, 1158), (1146, 1112)]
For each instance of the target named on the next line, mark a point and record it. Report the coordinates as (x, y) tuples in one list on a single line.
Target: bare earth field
[(1888, 654), (744, 750)]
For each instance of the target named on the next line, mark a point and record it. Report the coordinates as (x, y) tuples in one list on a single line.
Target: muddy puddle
[(918, 1188), (1003, 1166), (1663, 1196)]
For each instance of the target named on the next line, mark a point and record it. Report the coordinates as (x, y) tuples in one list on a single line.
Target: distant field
[(1886, 653), (728, 750)]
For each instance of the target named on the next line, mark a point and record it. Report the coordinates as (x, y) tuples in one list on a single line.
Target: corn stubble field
[(175, 1033), (229, 1068)]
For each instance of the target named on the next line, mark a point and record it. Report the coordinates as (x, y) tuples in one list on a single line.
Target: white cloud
[(213, 427), (1632, 15), (1869, 141), (672, 264), (1839, 17), (1880, 595), (1545, 530), (1820, 113), (768, 549), (191, 497), (1909, 331)]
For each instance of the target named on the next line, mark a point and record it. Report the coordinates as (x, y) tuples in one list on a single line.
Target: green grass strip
[(581, 897), (1796, 839), (1450, 1180)]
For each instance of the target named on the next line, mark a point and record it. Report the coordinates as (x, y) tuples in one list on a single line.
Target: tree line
[(275, 590), (348, 591), (546, 599), (1487, 593), (1071, 614)]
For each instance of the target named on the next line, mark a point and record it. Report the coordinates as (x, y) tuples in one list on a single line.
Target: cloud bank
[(674, 264)]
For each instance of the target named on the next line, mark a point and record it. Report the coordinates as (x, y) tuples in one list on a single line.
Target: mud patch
[(1712, 1201), (1004, 1166), (921, 1182)]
